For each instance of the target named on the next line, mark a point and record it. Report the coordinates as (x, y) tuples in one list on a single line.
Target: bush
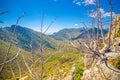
[(115, 62), (78, 73), (118, 33)]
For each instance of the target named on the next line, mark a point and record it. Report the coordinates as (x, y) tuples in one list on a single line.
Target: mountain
[(73, 34), (66, 34), (24, 37)]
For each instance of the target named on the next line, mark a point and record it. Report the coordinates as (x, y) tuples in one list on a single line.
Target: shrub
[(118, 33), (78, 73), (115, 62)]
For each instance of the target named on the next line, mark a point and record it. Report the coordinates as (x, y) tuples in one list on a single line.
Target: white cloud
[(92, 14), (84, 2), (107, 14), (75, 24), (102, 11), (88, 2), (104, 14), (77, 2)]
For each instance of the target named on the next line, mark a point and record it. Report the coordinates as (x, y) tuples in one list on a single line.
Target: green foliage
[(115, 62), (101, 45), (59, 62), (78, 73), (6, 73), (118, 33), (24, 36)]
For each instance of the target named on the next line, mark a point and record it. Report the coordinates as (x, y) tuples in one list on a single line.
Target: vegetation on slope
[(73, 34), (58, 65), (24, 36), (6, 73)]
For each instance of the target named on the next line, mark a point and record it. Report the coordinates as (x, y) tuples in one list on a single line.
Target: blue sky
[(70, 13)]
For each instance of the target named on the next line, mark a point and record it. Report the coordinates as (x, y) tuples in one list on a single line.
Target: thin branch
[(10, 60), (4, 12), (28, 68), (74, 45), (19, 68), (50, 25), (11, 42), (107, 65), (13, 74), (109, 39)]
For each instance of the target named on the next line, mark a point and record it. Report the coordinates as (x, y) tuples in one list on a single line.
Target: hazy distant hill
[(24, 37), (66, 34), (72, 34)]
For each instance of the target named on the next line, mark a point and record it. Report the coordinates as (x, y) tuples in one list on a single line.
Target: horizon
[(70, 13), (53, 32)]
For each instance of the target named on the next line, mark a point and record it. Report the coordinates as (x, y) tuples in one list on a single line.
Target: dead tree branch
[(50, 25), (13, 74), (19, 68), (14, 57), (11, 42), (4, 12), (109, 39), (27, 66)]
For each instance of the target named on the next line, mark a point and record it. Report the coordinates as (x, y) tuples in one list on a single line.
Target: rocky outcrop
[(98, 70)]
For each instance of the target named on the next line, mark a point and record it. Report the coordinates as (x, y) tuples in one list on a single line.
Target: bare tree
[(110, 4), (13, 74), (20, 72), (93, 48), (28, 68), (10, 46), (42, 54), (100, 22), (41, 50)]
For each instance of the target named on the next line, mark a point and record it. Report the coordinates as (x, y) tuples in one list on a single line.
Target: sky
[(69, 13)]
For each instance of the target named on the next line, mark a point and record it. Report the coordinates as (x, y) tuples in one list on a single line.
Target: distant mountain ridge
[(66, 34), (25, 36), (73, 34)]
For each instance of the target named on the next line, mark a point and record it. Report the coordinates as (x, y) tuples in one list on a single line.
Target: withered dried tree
[(93, 48), (6, 58), (41, 53)]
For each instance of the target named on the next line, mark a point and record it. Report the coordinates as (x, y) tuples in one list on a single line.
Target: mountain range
[(24, 37), (73, 33)]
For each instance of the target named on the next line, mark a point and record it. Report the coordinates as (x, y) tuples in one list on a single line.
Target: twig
[(19, 68), (28, 68), (11, 42), (4, 12), (50, 25), (13, 74), (10, 60), (107, 65)]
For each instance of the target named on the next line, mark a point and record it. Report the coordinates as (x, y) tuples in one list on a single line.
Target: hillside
[(73, 34), (58, 66), (25, 36), (66, 34)]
